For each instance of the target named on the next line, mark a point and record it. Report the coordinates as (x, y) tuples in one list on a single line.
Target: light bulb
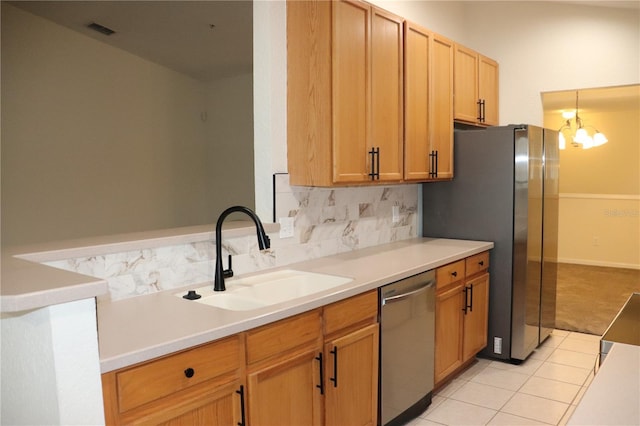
[(581, 136), (562, 143), (599, 139)]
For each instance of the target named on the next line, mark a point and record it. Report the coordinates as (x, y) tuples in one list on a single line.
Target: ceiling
[(203, 39)]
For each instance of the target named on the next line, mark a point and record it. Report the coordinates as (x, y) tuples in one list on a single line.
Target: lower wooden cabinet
[(185, 388), (286, 392), (318, 367), (462, 313), (352, 378)]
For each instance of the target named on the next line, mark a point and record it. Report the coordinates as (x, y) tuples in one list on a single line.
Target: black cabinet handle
[(243, 420), (481, 263), (189, 372), (466, 300), (375, 163), (479, 103), (321, 385), (454, 273), (471, 298), (433, 169), (334, 379), (482, 106)]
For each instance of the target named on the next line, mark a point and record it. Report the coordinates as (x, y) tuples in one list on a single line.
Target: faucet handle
[(228, 273)]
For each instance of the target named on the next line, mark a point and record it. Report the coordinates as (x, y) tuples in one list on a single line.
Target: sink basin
[(245, 294)]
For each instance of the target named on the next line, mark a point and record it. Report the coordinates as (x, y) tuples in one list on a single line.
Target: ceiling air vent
[(101, 28)]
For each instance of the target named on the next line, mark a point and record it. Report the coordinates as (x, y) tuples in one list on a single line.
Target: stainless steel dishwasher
[(407, 322)]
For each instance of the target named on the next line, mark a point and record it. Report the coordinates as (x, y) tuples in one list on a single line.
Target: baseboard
[(599, 263)]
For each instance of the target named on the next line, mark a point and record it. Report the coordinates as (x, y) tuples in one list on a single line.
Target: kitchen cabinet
[(283, 372), (203, 385), (462, 307), (475, 87), (318, 367), (351, 353), (428, 150), (344, 93)]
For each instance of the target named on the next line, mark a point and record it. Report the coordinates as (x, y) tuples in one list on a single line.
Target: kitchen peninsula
[(141, 328)]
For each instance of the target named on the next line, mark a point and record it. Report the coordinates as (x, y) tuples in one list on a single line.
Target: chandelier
[(579, 135)]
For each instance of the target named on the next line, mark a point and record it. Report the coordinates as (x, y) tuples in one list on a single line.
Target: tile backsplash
[(326, 221)]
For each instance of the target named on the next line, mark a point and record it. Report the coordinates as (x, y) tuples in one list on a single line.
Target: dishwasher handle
[(399, 297)]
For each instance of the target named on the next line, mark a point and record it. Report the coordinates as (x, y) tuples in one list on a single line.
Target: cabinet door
[(448, 342), (441, 104), (488, 89), (207, 403), (351, 90), (352, 378), (466, 107), (386, 92), (417, 112), (476, 317), (287, 392)]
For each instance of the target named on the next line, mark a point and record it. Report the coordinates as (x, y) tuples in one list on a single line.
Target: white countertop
[(613, 397), (142, 328)]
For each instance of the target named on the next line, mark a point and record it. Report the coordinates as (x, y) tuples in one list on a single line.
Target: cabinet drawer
[(477, 263), (156, 379), (352, 311), (450, 273), (283, 335)]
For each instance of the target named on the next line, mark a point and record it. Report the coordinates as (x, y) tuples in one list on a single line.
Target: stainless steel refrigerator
[(505, 190)]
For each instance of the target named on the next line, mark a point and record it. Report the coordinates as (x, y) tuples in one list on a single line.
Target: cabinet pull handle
[(321, 385), (189, 372), (479, 103), (433, 170), (243, 420), (471, 298), (334, 379), (466, 300), (481, 263), (454, 273), (483, 111), (375, 161)]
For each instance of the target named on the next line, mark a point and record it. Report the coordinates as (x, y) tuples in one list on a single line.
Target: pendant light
[(580, 137)]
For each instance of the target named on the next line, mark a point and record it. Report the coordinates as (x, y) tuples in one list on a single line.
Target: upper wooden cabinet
[(344, 94), (475, 87), (428, 74)]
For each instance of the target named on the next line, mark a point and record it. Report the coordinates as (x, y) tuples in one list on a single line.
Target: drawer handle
[(454, 273), (481, 263), (189, 372)]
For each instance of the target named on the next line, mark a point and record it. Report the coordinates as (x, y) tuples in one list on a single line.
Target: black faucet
[(263, 243)]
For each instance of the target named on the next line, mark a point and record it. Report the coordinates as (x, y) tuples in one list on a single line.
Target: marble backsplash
[(326, 221)]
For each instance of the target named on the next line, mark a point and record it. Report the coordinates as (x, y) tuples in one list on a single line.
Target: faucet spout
[(263, 241)]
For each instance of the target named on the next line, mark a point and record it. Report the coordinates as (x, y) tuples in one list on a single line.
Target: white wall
[(50, 366), (98, 141)]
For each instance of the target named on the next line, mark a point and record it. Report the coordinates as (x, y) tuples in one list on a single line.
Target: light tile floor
[(543, 390)]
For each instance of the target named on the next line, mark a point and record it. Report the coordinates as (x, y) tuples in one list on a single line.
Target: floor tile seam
[(531, 418), (470, 403), (579, 352), (569, 365), (549, 398), (563, 381), (538, 420)]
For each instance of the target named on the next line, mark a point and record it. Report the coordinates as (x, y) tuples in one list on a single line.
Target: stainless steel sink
[(244, 294)]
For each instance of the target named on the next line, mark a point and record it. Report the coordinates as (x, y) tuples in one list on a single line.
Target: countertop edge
[(28, 284), (235, 322)]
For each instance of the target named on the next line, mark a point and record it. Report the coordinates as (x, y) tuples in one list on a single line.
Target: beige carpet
[(589, 297)]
